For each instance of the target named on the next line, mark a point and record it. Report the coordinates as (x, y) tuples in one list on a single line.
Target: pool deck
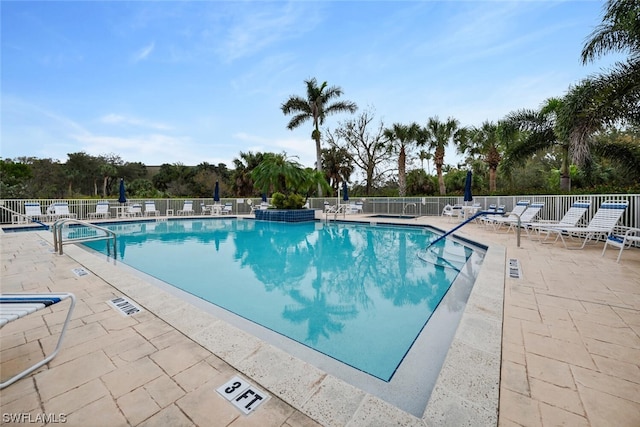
[(569, 352)]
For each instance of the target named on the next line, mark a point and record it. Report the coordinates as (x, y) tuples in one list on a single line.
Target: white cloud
[(117, 119), (144, 53)]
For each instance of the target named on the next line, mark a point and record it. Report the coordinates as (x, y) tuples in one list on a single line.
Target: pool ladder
[(83, 236)]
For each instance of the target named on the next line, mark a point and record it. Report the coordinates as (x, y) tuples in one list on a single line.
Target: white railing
[(13, 211)]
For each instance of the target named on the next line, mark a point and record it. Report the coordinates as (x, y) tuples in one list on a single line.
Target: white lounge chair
[(452, 211), (526, 217), (16, 306), (135, 210), (227, 209), (102, 211), (187, 208), (32, 212), (600, 226), (62, 210), (517, 211), (150, 208), (570, 218), (329, 208), (205, 210), (623, 242)]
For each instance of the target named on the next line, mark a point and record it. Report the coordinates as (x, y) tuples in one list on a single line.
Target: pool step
[(447, 260)]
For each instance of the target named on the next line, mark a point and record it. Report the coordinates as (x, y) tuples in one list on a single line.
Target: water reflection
[(338, 288)]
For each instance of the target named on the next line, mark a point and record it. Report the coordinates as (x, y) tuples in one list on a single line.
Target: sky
[(190, 82)]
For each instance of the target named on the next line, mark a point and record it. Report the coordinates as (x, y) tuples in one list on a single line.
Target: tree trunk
[(492, 179), (402, 176)]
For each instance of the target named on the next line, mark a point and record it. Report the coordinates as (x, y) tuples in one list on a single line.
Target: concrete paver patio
[(570, 347)]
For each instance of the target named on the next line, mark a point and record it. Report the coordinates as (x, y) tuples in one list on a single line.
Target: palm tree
[(436, 135), (337, 165), (400, 137), (425, 155), (486, 141), (541, 131), (316, 106), (278, 173), (611, 97), (242, 183)]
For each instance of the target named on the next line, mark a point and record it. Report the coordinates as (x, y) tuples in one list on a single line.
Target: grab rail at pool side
[(57, 226)]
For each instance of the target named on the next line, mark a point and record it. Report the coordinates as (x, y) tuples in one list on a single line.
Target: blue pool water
[(356, 293)]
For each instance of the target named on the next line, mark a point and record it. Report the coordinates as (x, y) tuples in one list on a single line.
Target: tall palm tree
[(400, 137), (436, 135), (486, 141), (315, 107)]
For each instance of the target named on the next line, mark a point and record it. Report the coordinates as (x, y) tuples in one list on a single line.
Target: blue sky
[(191, 82)]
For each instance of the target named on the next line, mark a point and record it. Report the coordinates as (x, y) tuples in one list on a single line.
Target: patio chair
[(451, 211), (33, 213), (625, 241), (134, 210), (517, 210), (62, 210), (16, 306), (102, 211), (600, 226), (187, 208), (150, 208), (205, 210), (526, 217), (227, 209), (570, 218)]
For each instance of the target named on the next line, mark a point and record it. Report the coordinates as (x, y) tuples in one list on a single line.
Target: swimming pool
[(336, 288)]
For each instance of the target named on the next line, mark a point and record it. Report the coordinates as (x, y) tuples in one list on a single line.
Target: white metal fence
[(13, 210)]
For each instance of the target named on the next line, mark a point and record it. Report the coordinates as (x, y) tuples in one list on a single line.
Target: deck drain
[(514, 269), (80, 271), (124, 306)]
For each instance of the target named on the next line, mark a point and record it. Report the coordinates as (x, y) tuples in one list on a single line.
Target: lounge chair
[(102, 211), (451, 211), (526, 217), (205, 210), (570, 218), (150, 208), (187, 208), (33, 213), (329, 208), (62, 210), (16, 306), (135, 210), (601, 225), (227, 209), (517, 211), (623, 242)]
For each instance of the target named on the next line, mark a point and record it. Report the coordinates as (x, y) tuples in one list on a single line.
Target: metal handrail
[(57, 226)]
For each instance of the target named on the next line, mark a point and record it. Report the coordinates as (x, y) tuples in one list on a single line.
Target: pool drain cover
[(514, 269)]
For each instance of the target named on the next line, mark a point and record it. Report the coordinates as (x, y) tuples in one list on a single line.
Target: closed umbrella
[(345, 191), (467, 188), (123, 197), (264, 197), (216, 192)]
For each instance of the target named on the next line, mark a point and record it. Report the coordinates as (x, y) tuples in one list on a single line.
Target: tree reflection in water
[(339, 288)]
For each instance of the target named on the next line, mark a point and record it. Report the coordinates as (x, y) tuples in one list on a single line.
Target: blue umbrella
[(216, 193), (345, 191), (467, 188), (264, 197), (123, 197)]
